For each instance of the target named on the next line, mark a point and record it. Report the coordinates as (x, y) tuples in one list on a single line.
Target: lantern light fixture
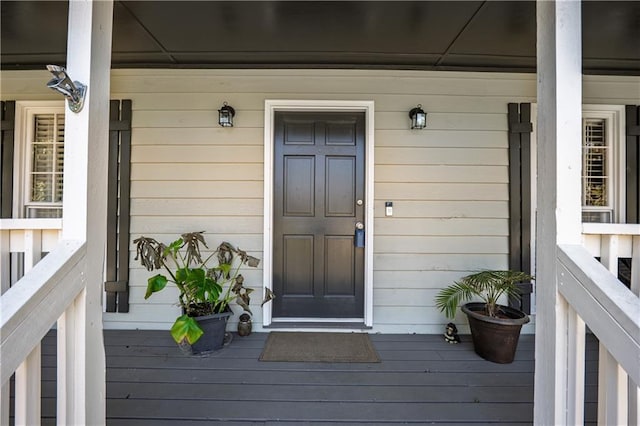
[(225, 115), (74, 91), (418, 117)]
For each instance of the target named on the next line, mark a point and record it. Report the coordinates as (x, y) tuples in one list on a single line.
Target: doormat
[(318, 347)]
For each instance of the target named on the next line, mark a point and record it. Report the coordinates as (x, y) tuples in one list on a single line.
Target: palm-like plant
[(488, 286)]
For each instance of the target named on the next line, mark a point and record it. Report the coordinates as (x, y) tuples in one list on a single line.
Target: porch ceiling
[(447, 35)]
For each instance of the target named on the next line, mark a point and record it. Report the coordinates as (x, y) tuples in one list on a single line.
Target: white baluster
[(27, 377)]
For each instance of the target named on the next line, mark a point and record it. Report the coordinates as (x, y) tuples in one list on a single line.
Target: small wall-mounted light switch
[(388, 208)]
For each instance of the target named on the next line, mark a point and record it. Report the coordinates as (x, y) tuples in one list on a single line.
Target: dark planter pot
[(214, 327), (495, 339)]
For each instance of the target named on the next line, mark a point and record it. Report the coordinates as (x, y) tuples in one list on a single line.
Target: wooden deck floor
[(421, 380)]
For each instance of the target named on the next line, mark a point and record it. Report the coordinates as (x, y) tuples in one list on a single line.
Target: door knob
[(359, 202), (359, 225)]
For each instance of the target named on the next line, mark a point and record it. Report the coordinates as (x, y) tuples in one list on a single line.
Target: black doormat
[(318, 347)]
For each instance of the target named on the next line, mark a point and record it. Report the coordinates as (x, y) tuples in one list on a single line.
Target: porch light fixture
[(225, 115), (74, 91), (418, 118)]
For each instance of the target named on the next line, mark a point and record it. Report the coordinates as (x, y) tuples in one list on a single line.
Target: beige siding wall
[(449, 182)]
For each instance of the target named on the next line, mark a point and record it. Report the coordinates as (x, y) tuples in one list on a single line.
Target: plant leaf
[(246, 259), (268, 296), (487, 285), (244, 300), (173, 247), (192, 241), (155, 284), (150, 253), (225, 254), (182, 275), (211, 289), (448, 299), (226, 269), (186, 328)]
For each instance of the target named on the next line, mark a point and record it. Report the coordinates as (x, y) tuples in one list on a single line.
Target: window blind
[(46, 166), (596, 178)]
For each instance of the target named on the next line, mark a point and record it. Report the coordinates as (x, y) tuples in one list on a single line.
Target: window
[(41, 159), (602, 154)]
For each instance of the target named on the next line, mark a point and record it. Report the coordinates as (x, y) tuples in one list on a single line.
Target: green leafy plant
[(204, 289), (488, 286)]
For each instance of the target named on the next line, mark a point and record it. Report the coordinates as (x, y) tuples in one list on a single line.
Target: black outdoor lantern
[(225, 115), (418, 118)]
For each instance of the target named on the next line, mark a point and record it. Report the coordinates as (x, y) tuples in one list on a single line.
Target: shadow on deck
[(421, 380)]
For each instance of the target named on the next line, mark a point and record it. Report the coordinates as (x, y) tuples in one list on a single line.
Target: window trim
[(25, 110), (615, 130)]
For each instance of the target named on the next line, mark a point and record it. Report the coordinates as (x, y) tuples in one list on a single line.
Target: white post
[(613, 383), (634, 390), (4, 404), (28, 380), (559, 78), (635, 266), (5, 260), (5, 279), (575, 376), (82, 401), (609, 252), (612, 390), (28, 389)]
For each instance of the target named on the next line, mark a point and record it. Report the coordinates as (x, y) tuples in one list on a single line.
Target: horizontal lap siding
[(449, 187), (189, 174), (449, 182)]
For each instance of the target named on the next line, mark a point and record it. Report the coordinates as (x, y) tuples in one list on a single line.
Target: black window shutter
[(7, 117), (117, 256), (633, 162), (520, 128)]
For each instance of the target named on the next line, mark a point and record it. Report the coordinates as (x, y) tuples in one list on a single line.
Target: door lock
[(358, 238)]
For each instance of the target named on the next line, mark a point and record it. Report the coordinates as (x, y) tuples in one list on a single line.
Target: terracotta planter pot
[(495, 339)]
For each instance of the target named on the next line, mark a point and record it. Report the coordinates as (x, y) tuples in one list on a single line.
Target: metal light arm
[(74, 91)]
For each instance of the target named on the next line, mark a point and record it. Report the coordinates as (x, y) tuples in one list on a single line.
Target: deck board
[(421, 380)]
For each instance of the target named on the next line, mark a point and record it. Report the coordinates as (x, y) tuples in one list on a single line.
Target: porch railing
[(29, 237), (50, 289), (594, 297), (50, 292)]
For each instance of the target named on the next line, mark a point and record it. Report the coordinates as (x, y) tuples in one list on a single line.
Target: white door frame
[(270, 108)]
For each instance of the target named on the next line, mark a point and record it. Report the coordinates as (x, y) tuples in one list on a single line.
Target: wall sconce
[(74, 91), (418, 118), (225, 115)]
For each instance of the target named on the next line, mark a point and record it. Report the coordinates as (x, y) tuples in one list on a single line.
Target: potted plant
[(206, 286), (495, 328)]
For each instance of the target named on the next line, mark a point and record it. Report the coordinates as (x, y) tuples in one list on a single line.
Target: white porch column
[(81, 358), (558, 186)]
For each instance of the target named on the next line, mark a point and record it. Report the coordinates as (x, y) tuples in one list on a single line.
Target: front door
[(318, 271)]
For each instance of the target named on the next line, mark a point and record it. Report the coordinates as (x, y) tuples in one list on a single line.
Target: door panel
[(340, 186), (318, 178), (339, 266), (299, 186), (298, 264)]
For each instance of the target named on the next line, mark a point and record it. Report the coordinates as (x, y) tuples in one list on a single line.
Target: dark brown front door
[(318, 201)]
